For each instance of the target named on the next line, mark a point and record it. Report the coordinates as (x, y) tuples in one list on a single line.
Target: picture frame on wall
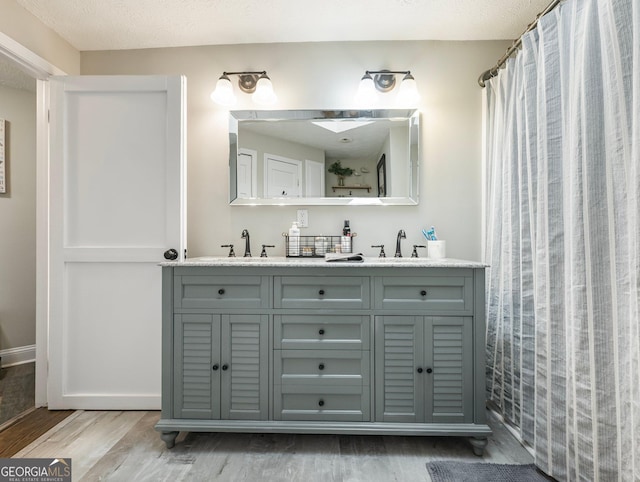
[(382, 176), (3, 160)]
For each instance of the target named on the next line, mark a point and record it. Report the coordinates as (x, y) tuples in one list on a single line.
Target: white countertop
[(369, 262)]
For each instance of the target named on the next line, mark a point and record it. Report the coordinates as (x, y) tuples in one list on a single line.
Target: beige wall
[(28, 31), (18, 221), (17, 207), (326, 75)]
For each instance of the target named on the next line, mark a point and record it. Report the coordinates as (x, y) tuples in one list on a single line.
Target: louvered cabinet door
[(399, 355), (449, 369), (196, 392), (244, 364), (221, 366), (424, 368)]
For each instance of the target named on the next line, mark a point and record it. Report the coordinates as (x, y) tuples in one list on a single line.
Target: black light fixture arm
[(247, 80), (385, 80), (261, 72), (388, 72)]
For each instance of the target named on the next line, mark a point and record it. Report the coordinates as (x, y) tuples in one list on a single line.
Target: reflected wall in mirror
[(286, 157)]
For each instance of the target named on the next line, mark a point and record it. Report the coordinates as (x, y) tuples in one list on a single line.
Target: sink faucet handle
[(263, 253), (414, 254), (232, 253), (382, 253)]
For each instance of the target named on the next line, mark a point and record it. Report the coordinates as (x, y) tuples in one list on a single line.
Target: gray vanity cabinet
[(287, 346), (425, 369)]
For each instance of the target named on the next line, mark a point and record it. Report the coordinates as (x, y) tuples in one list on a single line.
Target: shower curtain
[(562, 191)]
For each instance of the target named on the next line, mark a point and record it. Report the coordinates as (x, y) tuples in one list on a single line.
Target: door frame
[(308, 178), (254, 169), (41, 70)]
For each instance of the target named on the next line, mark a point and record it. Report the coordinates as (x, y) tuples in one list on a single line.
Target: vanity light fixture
[(256, 83), (384, 81)]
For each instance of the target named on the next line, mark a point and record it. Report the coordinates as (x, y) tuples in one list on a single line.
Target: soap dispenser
[(294, 240)]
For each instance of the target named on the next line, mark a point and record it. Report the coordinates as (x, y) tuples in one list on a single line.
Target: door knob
[(171, 254)]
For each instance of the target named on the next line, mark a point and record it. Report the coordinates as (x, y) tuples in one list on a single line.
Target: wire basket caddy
[(316, 246)]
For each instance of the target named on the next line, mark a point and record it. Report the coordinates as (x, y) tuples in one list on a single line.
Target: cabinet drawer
[(436, 293), (328, 292), (329, 332), (329, 403), (221, 292), (321, 367)]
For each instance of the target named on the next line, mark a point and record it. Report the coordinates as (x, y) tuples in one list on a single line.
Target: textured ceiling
[(133, 24)]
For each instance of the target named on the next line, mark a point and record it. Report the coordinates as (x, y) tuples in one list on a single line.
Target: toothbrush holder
[(437, 249)]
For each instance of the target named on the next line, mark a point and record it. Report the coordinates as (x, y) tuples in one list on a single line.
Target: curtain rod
[(492, 72)]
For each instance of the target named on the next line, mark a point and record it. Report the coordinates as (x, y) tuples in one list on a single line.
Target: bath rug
[(453, 471)]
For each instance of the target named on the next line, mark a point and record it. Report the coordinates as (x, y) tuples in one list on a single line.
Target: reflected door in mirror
[(247, 174), (282, 177)]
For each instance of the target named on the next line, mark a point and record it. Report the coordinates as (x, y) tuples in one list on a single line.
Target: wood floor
[(16, 434), (123, 446)]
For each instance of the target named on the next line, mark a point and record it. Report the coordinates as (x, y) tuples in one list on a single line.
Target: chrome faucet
[(247, 244), (401, 235)]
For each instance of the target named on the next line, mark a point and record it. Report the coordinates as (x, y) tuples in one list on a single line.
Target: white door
[(314, 178), (282, 177), (247, 173), (116, 205)]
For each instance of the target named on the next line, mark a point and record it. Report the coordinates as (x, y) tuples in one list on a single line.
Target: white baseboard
[(18, 356)]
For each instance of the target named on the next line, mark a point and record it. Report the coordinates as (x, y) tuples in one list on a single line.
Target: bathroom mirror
[(294, 157)]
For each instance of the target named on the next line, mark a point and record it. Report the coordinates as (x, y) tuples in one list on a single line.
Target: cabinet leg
[(169, 438), (478, 445)]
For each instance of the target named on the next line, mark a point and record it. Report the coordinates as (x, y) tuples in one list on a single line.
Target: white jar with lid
[(321, 245)]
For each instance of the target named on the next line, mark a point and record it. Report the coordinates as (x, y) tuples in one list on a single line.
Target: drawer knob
[(429, 370), (225, 367), (221, 291), (423, 293), (321, 331), (321, 292), (215, 367), (321, 366), (321, 403), (419, 370)]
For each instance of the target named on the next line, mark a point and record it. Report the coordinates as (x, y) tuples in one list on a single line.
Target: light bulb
[(366, 94), (223, 93), (264, 93), (408, 94)]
